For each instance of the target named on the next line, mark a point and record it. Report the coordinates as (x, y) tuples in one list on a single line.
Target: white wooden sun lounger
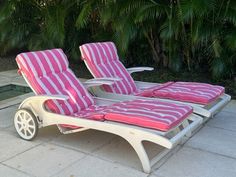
[(103, 62), (57, 89)]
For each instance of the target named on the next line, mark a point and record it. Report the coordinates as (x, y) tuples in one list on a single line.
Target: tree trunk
[(156, 48), (159, 49), (151, 42)]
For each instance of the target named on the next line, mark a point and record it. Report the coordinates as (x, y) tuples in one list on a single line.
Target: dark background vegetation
[(190, 40)]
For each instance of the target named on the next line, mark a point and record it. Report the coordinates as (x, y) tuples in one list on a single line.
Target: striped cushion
[(103, 61), (187, 91), (48, 73), (149, 92), (93, 112), (146, 113)]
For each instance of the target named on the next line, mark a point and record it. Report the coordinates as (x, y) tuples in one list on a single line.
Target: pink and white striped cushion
[(103, 61), (48, 73), (93, 112), (146, 113), (150, 91), (187, 91)]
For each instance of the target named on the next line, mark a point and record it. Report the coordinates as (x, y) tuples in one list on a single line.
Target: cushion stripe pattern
[(145, 113), (190, 91), (48, 73), (103, 61)]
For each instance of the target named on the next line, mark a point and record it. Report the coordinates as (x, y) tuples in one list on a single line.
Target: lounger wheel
[(26, 124)]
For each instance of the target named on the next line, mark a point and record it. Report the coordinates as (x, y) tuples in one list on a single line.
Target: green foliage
[(180, 35)]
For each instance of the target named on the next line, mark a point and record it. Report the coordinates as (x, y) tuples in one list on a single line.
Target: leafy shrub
[(175, 34)]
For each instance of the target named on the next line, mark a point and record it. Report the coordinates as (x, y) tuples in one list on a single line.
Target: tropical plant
[(40, 24), (195, 35), (180, 33)]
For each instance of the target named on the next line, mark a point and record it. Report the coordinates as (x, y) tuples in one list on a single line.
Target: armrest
[(49, 97), (139, 69), (53, 97), (100, 81), (106, 79), (40, 99)]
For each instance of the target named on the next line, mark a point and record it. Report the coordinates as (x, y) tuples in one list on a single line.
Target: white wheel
[(26, 124)]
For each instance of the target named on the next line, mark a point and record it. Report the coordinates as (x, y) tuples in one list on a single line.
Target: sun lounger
[(62, 100), (103, 62)]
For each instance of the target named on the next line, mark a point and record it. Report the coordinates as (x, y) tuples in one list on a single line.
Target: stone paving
[(211, 152)]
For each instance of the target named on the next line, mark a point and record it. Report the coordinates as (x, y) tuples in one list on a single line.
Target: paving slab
[(86, 141), (9, 73), (19, 80), (120, 151), (215, 140), (10, 172), (211, 152), (4, 80), (231, 107), (44, 160), (7, 116), (11, 145), (45, 134), (224, 120), (94, 167), (190, 162), (48, 133), (154, 175)]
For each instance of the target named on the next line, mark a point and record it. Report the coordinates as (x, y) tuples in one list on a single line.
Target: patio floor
[(210, 152)]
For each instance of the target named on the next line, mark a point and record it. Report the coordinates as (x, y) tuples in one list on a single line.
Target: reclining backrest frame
[(47, 72), (103, 61)]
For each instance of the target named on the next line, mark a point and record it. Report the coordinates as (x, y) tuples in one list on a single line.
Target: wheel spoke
[(19, 122), (24, 132), (29, 120), (31, 126), (21, 117), (21, 128), (24, 116), (30, 133)]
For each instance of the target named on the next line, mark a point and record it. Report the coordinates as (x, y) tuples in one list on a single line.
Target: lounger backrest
[(103, 61), (48, 73)]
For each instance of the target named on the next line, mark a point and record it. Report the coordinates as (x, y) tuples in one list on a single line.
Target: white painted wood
[(133, 134), (204, 111), (139, 69)]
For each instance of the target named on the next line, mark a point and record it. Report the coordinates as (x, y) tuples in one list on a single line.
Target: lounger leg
[(142, 154), (176, 131), (186, 124)]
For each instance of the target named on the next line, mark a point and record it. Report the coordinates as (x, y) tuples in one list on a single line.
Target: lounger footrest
[(146, 113)]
